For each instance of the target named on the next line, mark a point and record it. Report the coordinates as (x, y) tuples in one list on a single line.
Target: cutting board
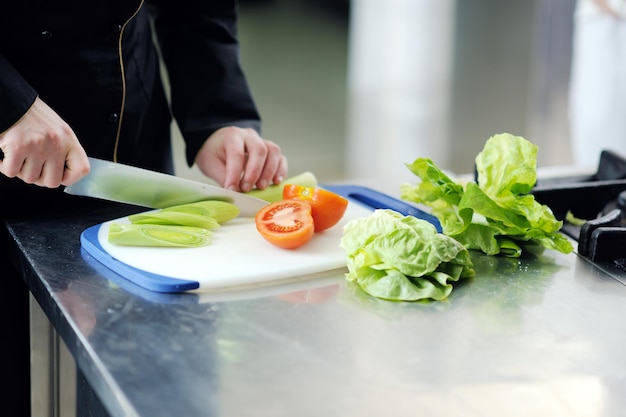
[(237, 255)]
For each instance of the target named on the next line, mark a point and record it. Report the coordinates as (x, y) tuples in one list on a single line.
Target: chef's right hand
[(42, 149)]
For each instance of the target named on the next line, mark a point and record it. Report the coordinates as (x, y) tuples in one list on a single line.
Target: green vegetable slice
[(158, 235), (175, 219), (207, 214), (576, 221), (274, 193), (221, 211), (402, 258)]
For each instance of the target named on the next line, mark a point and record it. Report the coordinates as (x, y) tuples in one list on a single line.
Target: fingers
[(45, 171), (235, 157), (42, 149), (265, 166), (76, 166), (254, 162), (36, 171), (257, 158), (239, 159)]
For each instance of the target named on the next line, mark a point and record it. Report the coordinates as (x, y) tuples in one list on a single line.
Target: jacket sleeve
[(198, 43), (16, 95)]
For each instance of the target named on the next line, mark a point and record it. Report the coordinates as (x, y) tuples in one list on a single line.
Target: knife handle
[(377, 200)]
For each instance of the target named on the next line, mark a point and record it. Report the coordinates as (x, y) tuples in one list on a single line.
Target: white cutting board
[(237, 256)]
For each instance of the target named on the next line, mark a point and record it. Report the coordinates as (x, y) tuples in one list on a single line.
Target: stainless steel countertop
[(539, 336)]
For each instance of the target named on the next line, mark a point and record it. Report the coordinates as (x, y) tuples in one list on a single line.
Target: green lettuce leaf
[(496, 214), (402, 258)]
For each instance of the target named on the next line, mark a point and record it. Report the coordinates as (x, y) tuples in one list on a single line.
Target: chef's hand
[(42, 149), (239, 159)]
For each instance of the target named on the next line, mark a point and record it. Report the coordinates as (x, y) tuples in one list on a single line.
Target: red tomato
[(327, 207), (287, 224)]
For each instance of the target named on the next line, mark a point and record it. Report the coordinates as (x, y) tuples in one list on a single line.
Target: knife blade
[(141, 187)]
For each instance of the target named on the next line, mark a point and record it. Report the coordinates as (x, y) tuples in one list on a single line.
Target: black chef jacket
[(94, 62)]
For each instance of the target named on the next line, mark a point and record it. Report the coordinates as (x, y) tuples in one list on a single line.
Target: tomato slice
[(327, 207), (287, 224)]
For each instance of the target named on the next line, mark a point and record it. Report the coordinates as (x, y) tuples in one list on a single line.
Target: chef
[(82, 78)]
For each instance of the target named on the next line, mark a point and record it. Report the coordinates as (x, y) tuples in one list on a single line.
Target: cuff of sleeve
[(16, 95)]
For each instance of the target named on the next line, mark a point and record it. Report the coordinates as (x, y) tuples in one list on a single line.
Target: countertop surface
[(541, 336)]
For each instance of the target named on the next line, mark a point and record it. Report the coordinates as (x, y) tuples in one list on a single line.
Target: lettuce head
[(402, 258), (496, 214)]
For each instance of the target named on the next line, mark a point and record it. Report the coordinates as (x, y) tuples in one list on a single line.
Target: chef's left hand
[(239, 159)]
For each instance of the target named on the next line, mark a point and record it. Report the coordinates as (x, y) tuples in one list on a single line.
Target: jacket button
[(46, 34), (117, 29), (113, 118)]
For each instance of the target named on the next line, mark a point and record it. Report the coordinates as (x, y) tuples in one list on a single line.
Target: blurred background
[(356, 89)]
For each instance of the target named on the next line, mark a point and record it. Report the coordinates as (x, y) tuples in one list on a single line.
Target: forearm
[(200, 49)]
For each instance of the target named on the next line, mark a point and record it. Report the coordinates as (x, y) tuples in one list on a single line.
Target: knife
[(141, 187)]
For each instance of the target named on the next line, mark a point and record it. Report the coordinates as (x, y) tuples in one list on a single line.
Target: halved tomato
[(287, 224), (327, 207)]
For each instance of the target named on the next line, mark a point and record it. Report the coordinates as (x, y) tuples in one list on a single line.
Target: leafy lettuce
[(496, 214), (402, 258)]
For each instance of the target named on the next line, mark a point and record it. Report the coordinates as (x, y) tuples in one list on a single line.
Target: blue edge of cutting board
[(159, 283)]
